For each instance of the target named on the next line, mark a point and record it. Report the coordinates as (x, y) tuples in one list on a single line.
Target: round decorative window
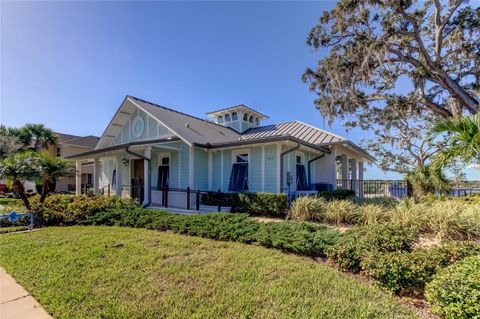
[(138, 126)]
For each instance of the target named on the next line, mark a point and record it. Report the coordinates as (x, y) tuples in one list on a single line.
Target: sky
[(69, 65)]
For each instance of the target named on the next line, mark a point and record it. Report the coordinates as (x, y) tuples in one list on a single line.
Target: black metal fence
[(396, 189), (191, 199)]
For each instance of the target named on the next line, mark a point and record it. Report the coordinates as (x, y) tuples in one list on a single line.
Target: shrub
[(299, 238), (455, 291), (372, 214), (307, 208), (337, 194), (340, 212), (361, 242), (265, 204), (60, 210), (408, 272)]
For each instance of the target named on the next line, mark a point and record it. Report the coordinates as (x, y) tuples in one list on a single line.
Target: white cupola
[(239, 117)]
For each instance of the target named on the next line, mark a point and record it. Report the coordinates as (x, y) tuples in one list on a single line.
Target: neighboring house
[(147, 147), (68, 145)]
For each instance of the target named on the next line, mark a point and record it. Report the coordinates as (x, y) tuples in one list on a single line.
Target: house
[(147, 147), (68, 145)]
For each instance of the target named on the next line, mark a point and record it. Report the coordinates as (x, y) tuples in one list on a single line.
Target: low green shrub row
[(407, 273), (301, 238), (63, 210), (337, 194), (260, 204), (455, 290)]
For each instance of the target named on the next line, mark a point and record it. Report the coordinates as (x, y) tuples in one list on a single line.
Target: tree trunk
[(20, 190)]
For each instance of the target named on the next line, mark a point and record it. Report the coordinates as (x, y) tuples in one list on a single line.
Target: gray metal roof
[(189, 128), (296, 129)]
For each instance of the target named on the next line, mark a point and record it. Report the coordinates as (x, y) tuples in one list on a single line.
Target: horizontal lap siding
[(185, 166), (174, 167), (255, 170), (271, 168), (200, 170), (227, 168), (216, 170)]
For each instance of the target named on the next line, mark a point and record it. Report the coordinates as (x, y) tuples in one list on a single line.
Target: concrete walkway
[(16, 302)]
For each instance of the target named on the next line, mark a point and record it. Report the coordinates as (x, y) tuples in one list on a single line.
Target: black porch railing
[(191, 199), (396, 189)]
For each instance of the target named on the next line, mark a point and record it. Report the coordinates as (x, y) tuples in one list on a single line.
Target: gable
[(132, 124)]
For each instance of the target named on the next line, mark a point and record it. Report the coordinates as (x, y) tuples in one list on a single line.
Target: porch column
[(353, 169), (78, 178), (360, 179), (344, 161), (118, 186), (147, 174), (96, 175)]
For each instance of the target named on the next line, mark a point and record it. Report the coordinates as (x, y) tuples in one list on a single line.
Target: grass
[(112, 272), (6, 230)]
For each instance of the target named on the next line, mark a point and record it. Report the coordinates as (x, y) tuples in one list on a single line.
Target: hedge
[(337, 194), (407, 273), (455, 290), (301, 238)]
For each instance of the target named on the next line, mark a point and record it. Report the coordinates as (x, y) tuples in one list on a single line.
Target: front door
[(138, 179)]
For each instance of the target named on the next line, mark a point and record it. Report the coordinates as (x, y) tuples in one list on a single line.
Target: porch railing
[(191, 199), (397, 189)]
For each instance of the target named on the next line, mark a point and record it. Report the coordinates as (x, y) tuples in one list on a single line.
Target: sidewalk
[(16, 302)]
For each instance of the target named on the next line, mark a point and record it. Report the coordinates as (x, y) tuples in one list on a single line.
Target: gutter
[(281, 163), (309, 165), (148, 178)]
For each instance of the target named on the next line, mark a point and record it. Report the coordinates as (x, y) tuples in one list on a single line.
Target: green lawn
[(111, 272)]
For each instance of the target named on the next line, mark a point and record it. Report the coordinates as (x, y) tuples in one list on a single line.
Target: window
[(239, 176), (114, 179), (245, 117), (251, 119), (163, 172), (220, 119), (89, 179), (59, 151), (301, 174), (257, 122), (227, 118), (234, 116)]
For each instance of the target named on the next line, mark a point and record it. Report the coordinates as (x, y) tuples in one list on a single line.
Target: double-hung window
[(163, 171), (239, 176)]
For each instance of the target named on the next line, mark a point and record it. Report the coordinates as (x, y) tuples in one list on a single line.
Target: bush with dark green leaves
[(407, 273), (337, 194), (64, 210), (361, 242), (262, 204), (300, 238), (455, 291)]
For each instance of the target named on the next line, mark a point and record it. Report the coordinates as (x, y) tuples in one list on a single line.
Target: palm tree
[(52, 169), (463, 139), (40, 136)]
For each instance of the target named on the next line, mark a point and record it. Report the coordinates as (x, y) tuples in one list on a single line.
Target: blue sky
[(70, 64)]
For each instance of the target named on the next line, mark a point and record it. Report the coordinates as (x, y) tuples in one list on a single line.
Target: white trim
[(263, 168), (279, 152), (140, 119), (303, 158), (221, 172), (210, 167), (240, 151), (162, 155), (180, 168), (191, 168)]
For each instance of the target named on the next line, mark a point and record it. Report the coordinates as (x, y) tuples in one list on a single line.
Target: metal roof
[(191, 129), (296, 129)]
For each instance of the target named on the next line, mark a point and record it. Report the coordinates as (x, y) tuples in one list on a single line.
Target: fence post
[(188, 198), (219, 201), (198, 199), (108, 190), (166, 196)]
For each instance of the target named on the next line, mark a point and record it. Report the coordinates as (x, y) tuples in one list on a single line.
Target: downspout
[(309, 174), (281, 168), (149, 177)]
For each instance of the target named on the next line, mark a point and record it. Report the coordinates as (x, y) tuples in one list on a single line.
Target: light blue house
[(147, 147)]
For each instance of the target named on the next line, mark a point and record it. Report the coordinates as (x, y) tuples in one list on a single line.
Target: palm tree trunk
[(20, 190)]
